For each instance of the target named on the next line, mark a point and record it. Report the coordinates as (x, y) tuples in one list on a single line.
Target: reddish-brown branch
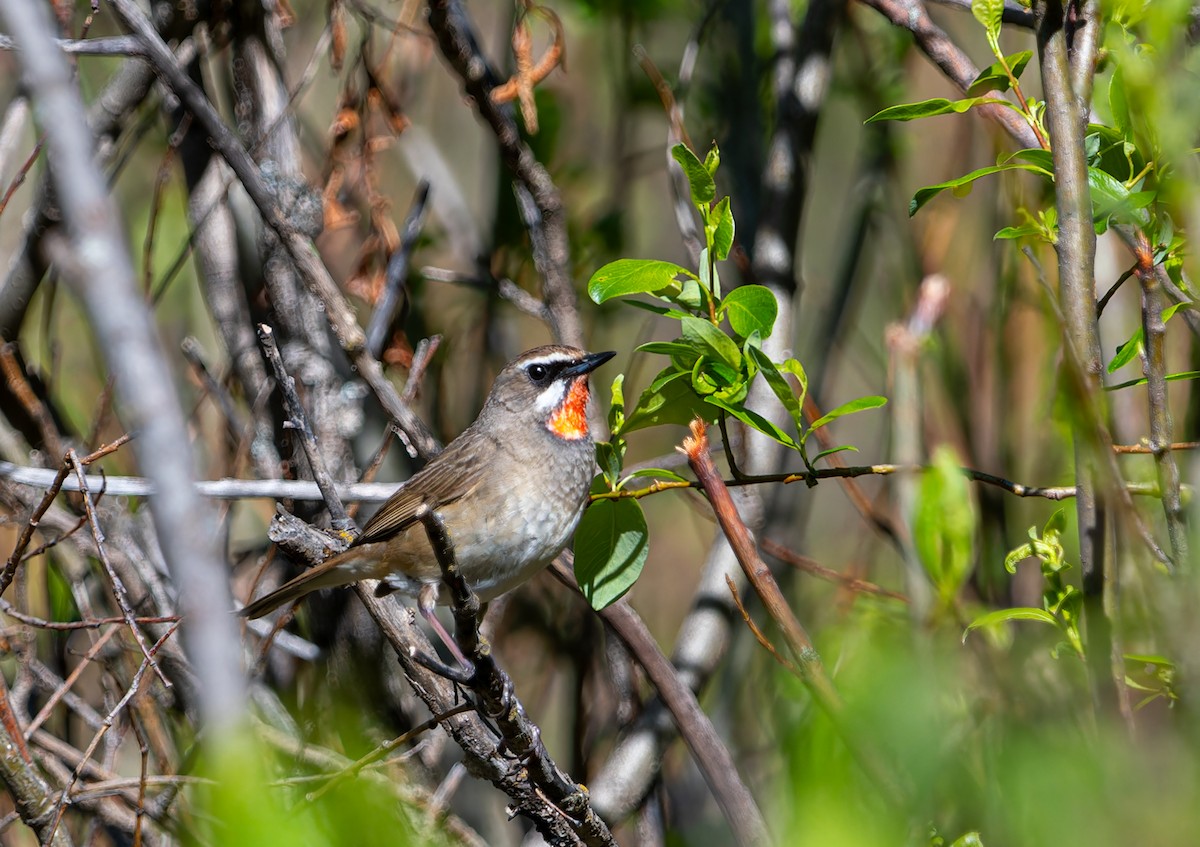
[(809, 566), (810, 668), (758, 633)]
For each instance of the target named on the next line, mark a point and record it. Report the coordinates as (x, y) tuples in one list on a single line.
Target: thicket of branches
[(261, 258)]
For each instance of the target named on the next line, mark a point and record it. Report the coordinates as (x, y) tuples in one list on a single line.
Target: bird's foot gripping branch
[(712, 364)]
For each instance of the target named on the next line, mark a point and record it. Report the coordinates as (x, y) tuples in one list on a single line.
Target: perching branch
[(498, 700)]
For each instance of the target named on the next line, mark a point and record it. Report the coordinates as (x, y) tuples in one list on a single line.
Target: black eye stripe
[(543, 372)]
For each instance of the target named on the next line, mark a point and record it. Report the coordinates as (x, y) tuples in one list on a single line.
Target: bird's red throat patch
[(569, 420)]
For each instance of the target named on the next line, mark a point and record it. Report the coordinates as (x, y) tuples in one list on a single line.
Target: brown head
[(549, 384)]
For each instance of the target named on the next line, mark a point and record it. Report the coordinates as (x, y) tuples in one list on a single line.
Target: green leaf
[(944, 522), (780, 386), (932, 108), (833, 450), (723, 233), (616, 406), (1018, 614), (721, 346), (754, 420), (633, 276), (611, 545), (990, 13), (609, 456), (665, 311), (1111, 197), (961, 186), (1056, 525), (751, 308), (692, 296), (859, 405), (1118, 102), (654, 473), (700, 181), (672, 348), (712, 160), (1017, 555), (995, 78), (1127, 351), (1182, 375), (669, 400)]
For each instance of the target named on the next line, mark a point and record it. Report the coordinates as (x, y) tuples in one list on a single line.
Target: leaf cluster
[(710, 367)]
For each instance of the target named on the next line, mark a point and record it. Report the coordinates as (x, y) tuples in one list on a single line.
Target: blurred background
[(1001, 736)]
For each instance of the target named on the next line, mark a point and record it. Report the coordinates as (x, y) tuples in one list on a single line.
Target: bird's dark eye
[(537, 372)]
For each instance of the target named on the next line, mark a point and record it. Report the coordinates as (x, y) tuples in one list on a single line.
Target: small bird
[(510, 491)]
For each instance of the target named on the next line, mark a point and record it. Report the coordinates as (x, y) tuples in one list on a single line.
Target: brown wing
[(442, 481)]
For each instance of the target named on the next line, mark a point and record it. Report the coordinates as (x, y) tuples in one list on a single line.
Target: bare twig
[(954, 63), (1014, 12), (14, 560), (397, 272), (118, 586), (20, 388), (299, 420), (811, 567), (30, 794), (762, 639), (109, 719)]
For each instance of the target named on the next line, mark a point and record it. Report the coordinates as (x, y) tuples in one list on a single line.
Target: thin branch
[(377, 492), (109, 720), (112, 45), (299, 421), (810, 566), (118, 585), (762, 639), (220, 489), (1155, 369), (1014, 12), (29, 791), (397, 272)]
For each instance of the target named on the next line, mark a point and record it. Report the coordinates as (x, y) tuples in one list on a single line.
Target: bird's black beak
[(587, 364)]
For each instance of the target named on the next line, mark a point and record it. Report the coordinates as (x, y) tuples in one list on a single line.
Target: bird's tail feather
[(331, 573)]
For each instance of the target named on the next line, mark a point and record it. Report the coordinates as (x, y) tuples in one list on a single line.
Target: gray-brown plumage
[(510, 491)]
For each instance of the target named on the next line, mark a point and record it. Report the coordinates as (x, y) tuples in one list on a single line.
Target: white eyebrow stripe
[(550, 359)]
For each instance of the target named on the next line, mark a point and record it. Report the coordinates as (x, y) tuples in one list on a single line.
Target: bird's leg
[(427, 606)]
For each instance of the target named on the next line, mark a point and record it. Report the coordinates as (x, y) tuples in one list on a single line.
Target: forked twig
[(118, 586)]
